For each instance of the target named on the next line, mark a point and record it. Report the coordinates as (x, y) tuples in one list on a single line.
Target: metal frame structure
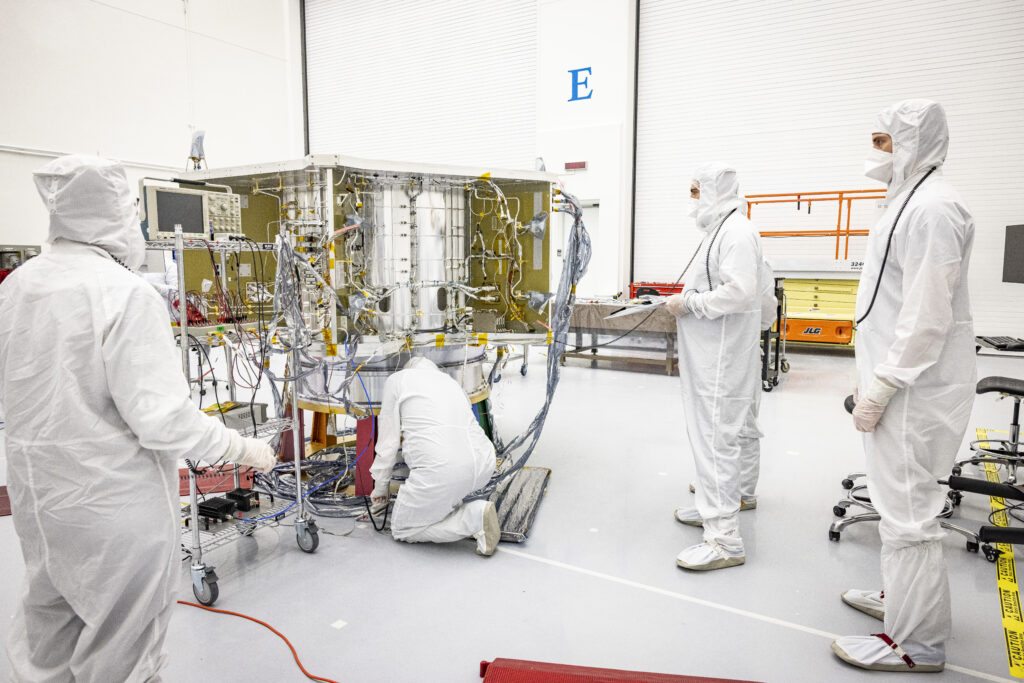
[(839, 196)]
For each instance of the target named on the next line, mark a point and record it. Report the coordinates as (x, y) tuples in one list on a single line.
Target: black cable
[(213, 374), (384, 522), (199, 369), (707, 259), (888, 245)]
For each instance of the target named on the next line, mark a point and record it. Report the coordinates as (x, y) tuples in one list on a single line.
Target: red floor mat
[(5, 502), (521, 671)]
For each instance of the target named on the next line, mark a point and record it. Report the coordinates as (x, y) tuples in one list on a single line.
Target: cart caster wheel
[(847, 484), (775, 381), (833, 536), (784, 365), (839, 511), (308, 540), (766, 385), (522, 371), (957, 471), (991, 554), (972, 546), (955, 497), (208, 594)]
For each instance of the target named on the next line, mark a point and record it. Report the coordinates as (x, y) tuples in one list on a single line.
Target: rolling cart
[(204, 577), (773, 343)]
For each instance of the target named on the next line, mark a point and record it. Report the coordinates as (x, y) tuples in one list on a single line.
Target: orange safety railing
[(840, 197)]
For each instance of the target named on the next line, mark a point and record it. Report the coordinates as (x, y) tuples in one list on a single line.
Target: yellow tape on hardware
[(1006, 581)]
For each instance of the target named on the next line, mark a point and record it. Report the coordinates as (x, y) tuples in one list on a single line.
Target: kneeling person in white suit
[(449, 456)]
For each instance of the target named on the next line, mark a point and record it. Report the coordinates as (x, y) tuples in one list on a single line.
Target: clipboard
[(633, 309)]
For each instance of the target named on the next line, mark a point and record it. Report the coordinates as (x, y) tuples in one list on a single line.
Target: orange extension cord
[(263, 623)]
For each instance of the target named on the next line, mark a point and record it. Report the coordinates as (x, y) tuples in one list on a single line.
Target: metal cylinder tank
[(323, 390)]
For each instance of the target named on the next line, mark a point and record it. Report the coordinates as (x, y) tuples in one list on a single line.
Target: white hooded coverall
[(719, 357), (428, 414), (918, 337), (98, 413)]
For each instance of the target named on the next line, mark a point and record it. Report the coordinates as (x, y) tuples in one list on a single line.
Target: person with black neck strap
[(718, 324), (917, 376)]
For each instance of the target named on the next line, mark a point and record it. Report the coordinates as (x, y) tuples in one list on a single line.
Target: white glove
[(381, 492), (676, 305), (163, 289), (870, 407), (250, 452)]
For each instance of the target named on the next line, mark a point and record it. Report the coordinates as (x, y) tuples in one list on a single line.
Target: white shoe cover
[(487, 538), (689, 516), (868, 602), (707, 556), (874, 654)]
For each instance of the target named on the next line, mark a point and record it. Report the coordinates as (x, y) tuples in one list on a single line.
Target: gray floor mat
[(517, 500)]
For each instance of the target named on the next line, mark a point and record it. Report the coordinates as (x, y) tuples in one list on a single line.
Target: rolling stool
[(1006, 452), (857, 496)]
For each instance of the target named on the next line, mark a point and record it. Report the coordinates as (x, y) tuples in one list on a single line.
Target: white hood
[(90, 201), (920, 139), (719, 194)]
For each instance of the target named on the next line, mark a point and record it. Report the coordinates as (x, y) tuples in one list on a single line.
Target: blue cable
[(319, 486)]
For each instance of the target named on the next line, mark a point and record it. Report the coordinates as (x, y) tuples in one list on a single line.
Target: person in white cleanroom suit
[(98, 413), (718, 319), (750, 435), (917, 375), (428, 415)]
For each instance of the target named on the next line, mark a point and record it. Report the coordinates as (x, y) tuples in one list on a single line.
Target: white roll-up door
[(786, 92), (439, 81)]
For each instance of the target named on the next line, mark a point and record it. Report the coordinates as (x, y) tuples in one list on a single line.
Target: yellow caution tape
[(439, 341), (1006, 580), (481, 339)]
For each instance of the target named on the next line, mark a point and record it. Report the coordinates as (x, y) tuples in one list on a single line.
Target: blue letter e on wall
[(579, 84)]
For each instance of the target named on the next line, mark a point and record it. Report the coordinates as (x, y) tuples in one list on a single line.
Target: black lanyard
[(707, 259), (888, 244)]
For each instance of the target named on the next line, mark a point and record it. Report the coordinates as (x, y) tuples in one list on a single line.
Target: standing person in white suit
[(915, 359), (428, 415), (98, 415), (718, 320), (750, 435)]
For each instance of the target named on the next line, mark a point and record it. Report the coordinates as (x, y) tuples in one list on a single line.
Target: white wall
[(597, 34), (787, 93), (127, 79), (438, 81)]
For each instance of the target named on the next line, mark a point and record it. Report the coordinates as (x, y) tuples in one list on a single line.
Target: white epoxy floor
[(596, 583)]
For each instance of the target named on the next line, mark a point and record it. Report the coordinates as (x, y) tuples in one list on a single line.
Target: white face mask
[(878, 165), (694, 203)]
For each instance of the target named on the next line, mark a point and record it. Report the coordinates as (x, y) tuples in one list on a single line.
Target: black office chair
[(1000, 452)]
